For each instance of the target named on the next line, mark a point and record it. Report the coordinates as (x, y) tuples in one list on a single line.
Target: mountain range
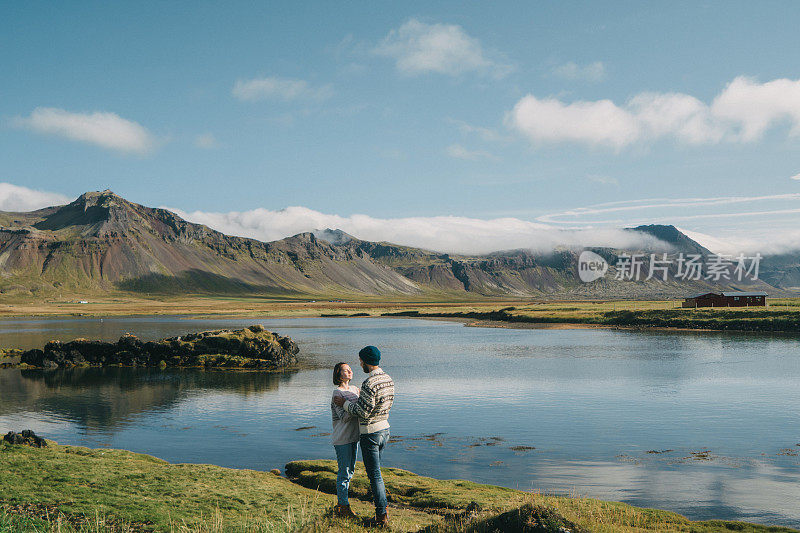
[(103, 243)]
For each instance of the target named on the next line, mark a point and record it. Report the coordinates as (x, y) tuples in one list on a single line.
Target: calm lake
[(559, 411)]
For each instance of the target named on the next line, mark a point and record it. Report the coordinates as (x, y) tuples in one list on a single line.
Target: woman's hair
[(337, 373)]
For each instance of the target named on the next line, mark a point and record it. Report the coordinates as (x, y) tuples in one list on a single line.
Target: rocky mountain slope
[(101, 242)]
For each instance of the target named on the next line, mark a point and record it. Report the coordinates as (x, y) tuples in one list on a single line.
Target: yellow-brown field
[(305, 307)]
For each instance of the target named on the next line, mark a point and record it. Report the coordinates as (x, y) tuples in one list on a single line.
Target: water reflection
[(105, 399), (587, 404)]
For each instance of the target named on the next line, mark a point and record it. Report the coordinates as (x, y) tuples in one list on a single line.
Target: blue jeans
[(346, 457), (371, 451)]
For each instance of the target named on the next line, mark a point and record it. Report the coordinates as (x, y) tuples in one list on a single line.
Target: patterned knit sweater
[(374, 402)]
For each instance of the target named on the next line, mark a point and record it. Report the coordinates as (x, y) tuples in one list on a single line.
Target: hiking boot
[(343, 511), (380, 521)]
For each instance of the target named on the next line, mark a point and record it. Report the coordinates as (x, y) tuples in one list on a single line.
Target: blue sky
[(474, 111)]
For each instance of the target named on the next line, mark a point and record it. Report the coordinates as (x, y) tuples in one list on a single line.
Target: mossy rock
[(405, 488), (528, 518), (249, 348)]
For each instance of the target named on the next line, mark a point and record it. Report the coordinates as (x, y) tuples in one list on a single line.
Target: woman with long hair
[(344, 436)]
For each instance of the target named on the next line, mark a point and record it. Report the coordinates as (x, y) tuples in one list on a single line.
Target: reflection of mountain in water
[(107, 398)]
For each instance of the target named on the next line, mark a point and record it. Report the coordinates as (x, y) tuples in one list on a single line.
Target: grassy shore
[(67, 488), (731, 319), (235, 306), (780, 315)]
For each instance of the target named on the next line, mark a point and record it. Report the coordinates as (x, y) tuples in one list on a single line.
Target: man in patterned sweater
[(372, 410)]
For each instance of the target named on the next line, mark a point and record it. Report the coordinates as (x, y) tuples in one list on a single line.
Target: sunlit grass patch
[(75, 489)]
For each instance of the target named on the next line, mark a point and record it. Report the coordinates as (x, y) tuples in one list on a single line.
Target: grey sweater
[(374, 402), (345, 425)]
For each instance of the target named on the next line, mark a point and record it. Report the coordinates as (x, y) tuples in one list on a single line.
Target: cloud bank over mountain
[(578, 227), (440, 233)]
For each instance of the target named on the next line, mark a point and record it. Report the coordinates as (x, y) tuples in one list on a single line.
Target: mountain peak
[(673, 236), (98, 198), (94, 194), (91, 211), (333, 236)]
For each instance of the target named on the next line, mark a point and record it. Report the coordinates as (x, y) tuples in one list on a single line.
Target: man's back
[(374, 402)]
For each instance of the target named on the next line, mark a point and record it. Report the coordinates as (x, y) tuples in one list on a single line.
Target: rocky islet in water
[(250, 348)]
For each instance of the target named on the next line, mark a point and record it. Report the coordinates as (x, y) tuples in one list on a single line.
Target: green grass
[(128, 488), (134, 487), (75, 489), (629, 314), (407, 488), (455, 497)]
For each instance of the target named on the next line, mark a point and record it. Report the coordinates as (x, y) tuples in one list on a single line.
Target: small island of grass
[(249, 348)]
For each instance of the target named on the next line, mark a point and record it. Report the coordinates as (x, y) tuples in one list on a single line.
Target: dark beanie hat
[(370, 355)]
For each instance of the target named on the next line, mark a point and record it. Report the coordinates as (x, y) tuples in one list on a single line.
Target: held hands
[(338, 400)]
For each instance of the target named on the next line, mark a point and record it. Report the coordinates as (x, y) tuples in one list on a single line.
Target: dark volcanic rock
[(26, 438), (252, 347), (531, 519), (526, 519)]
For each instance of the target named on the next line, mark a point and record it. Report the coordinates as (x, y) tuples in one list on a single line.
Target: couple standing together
[(361, 417)]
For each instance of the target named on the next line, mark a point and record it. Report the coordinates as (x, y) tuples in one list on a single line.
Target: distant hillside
[(673, 236), (101, 243), (782, 271)]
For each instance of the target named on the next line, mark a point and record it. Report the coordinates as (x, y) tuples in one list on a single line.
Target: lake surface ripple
[(704, 424)]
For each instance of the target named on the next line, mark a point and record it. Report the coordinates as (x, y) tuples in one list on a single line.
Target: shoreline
[(624, 322), (781, 316), (498, 324), (467, 322), (145, 493)]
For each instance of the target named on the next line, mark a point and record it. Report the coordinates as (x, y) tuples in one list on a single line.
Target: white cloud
[(206, 141), (420, 48), (755, 107), (716, 244), (550, 120), (16, 198), (736, 243), (679, 115), (459, 152), (107, 130), (768, 227), (278, 88), (796, 177), (742, 112), (577, 215), (441, 233), (593, 72)]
